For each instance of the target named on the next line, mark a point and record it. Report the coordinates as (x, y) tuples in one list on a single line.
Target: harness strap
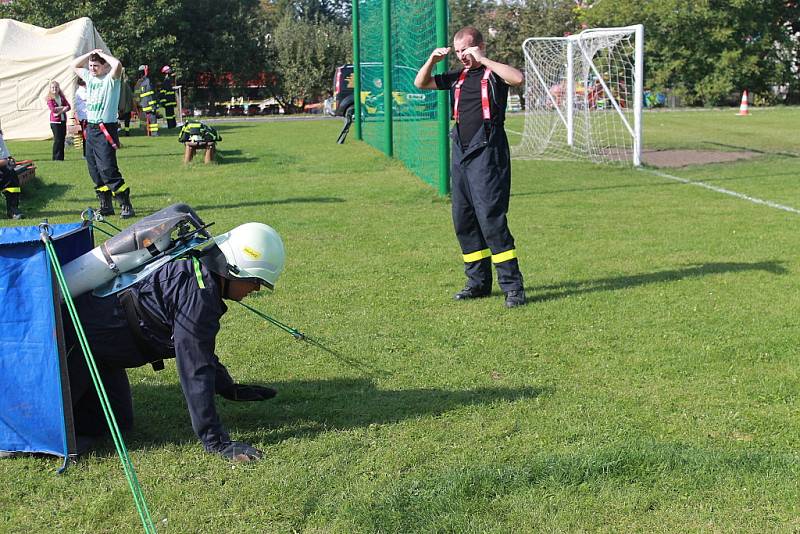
[(107, 135), (484, 94), (133, 313)]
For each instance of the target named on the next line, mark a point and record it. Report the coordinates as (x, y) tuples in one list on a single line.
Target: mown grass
[(650, 385)]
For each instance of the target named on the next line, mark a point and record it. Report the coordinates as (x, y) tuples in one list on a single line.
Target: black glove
[(244, 392), (239, 451)]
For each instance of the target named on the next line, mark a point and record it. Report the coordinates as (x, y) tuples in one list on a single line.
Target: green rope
[(109, 234), (119, 444), (300, 336)]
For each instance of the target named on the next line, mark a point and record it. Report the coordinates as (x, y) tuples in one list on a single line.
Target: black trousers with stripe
[(101, 159), (480, 191)]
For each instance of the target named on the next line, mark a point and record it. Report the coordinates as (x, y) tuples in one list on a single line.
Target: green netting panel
[(371, 48), (416, 141), (414, 114)]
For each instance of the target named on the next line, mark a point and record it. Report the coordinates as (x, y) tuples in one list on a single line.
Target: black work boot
[(125, 207), (471, 292), (12, 206), (515, 298), (106, 204)]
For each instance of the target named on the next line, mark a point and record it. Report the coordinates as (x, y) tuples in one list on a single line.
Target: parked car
[(407, 100)]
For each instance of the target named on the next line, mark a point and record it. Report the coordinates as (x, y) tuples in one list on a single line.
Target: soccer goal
[(583, 96)]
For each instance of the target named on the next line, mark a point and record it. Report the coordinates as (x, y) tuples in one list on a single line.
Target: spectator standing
[(145, 94), (102, 73), (80, 111), (167, 97), (125, 105), (59, 106), (481, 164)]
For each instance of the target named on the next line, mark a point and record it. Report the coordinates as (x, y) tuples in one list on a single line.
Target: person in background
[(125, 106), (59, 106), (167, 97), (480, 164), (9, 181), (102, 73), (80, 111), (145, 96)]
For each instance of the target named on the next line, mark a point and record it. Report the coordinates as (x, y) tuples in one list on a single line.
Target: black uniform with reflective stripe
[(481, 182), (181, 320)]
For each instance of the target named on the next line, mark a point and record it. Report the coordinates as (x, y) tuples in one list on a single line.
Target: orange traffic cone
[(743, 108)]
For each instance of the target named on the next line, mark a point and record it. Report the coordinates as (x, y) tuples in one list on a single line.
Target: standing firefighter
[(167, 94), (145, 93), (125, 105), (102, 73), (174, 312), (481, 164), (9, 181)]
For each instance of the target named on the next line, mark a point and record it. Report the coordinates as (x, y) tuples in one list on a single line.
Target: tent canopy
[(31, 57)]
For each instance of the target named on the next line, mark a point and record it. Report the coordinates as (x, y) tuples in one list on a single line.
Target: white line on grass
[(725, 191)]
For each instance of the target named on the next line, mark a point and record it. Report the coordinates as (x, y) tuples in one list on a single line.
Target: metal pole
[(637, 96), (570, 96), (387, 78), (443, 103), (357, 71), (179, 100)]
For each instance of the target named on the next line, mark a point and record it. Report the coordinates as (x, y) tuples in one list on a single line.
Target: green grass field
[(650, 384)]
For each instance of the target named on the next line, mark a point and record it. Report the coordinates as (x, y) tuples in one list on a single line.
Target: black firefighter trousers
[(480, 191)]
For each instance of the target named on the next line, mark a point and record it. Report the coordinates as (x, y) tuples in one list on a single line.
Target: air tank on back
[(132, 248)]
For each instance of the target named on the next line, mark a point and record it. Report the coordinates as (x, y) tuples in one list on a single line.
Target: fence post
[(388, 86), (357, 71), (443, 102)]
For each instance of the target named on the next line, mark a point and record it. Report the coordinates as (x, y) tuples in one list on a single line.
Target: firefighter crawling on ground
[(172, 311)]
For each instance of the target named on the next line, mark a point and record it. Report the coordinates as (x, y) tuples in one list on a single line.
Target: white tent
[(29, 58)]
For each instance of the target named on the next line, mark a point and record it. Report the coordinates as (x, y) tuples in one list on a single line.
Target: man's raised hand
[(439, 54)]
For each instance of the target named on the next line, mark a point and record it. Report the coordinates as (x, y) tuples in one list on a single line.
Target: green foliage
[(308, 52), (195, 36), (507, 24), (650, 385), (707, 50)]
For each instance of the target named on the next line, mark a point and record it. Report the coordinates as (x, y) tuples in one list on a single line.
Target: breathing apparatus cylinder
[(135, 246), (100, 265)]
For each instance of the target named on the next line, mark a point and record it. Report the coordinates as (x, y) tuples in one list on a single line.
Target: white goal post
[(583, 96)]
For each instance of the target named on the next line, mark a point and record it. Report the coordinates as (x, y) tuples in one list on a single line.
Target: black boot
[(106, 204), (12, 206), (125, 207)]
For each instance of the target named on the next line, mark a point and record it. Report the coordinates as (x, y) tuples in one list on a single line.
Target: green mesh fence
[(416, 136)]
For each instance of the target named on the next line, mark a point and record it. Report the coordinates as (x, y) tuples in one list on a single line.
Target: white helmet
[(253, 250)]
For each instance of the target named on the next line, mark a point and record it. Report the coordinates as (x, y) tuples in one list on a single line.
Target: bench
[(190, 147)]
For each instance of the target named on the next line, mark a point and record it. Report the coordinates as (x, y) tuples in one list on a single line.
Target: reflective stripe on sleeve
[(197, 273)]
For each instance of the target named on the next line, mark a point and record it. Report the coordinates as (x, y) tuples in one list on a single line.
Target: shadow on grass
[(303, 409), (292, 200), (570, 288), (749, 149), (234, 156)]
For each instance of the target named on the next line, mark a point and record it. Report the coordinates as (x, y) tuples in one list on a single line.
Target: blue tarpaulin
[(35, 413)]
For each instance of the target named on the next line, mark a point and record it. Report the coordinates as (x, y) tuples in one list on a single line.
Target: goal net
[(583, 96)]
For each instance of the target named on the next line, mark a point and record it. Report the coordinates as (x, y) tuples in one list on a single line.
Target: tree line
[(701, 50)]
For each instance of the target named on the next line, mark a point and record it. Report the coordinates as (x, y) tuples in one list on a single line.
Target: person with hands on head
[(175, 312), (480, 164), (102, 73)]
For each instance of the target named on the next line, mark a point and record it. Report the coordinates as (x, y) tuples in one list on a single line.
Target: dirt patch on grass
[(681, 158)]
